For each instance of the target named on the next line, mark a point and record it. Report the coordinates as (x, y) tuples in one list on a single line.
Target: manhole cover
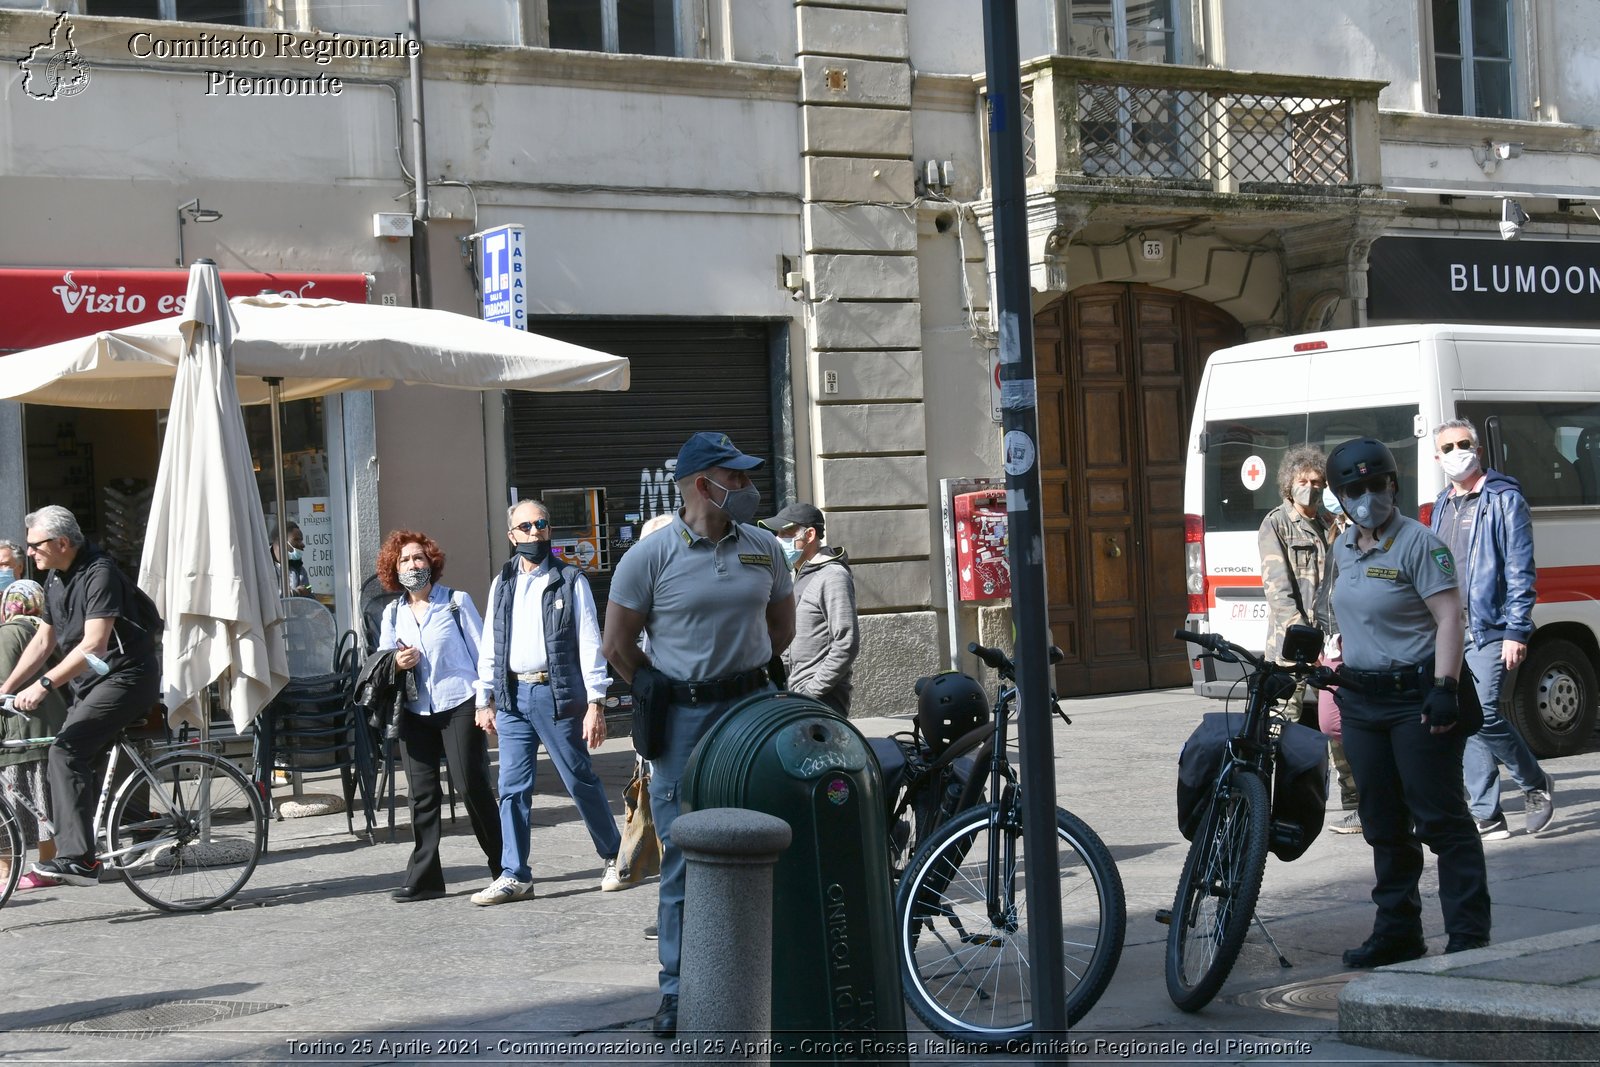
[(156, 1017), (1316, 999)]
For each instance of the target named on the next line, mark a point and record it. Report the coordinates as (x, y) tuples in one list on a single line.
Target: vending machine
[(982, 570), (579, 533)]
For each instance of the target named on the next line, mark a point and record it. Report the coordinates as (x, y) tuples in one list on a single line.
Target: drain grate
[(148, 1018), (1315, 999)]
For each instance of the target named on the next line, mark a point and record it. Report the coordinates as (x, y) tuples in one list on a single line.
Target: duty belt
[(1401, 682), (715, 689), (534, 677)]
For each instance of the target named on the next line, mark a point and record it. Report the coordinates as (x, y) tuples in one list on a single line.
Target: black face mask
[(536, 552)]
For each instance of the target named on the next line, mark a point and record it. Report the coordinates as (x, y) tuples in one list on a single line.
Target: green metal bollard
[(836, 987)]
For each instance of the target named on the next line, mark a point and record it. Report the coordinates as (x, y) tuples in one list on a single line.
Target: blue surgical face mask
[(7, 576), (791, 553)]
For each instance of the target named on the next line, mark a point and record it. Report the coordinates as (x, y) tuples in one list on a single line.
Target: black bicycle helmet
[(1356, 460), (949, 705)]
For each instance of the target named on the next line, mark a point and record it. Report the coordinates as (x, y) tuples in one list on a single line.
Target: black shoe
[(70, 871), (1464, 943), (407, 893), (666, 1022), (1380, 950), (651, 933)]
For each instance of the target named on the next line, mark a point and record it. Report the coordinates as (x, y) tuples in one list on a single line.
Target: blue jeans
[(1497, 741), (686, 725), (522, 728)]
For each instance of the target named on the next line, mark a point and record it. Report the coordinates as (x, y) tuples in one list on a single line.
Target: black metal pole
[(1025, 546), (421, 268)]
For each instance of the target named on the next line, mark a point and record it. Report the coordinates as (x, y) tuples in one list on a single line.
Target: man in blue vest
[(541, 679)]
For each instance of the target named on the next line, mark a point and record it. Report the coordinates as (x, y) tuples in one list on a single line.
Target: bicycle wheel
[(1217, 891), (965, 967), (13, 853), (188, 837)]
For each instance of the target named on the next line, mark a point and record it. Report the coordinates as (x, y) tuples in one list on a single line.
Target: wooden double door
[(1117, 369)]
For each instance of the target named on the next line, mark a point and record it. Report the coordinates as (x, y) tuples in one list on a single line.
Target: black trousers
[(454, 735), (1412, 793), (91, 728)]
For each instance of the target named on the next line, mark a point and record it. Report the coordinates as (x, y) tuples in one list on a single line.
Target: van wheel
[(1553, 705)]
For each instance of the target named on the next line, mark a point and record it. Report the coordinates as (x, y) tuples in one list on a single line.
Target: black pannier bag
[(1301, 782)]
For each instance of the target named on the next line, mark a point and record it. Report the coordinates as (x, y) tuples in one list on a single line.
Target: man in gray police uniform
[(717, 600)]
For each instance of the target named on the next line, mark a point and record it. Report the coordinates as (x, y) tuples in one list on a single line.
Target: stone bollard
[(725, 983)]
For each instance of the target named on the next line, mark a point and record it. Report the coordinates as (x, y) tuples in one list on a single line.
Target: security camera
[(1506, 149), (1512, 219)]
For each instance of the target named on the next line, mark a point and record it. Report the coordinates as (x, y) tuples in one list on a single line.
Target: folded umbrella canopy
[(206, 562)]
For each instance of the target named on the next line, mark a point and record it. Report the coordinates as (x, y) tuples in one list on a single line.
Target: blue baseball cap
[(706, 450)]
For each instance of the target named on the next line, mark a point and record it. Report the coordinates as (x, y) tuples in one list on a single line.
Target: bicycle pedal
[(1164, 916)]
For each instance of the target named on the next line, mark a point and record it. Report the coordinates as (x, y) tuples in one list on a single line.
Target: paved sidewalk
[(315, 964)]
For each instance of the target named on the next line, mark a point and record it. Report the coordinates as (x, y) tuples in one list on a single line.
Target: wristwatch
[(45, 683), (1447, 684)]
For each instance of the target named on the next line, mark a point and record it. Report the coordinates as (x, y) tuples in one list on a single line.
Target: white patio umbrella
[(206, 562)]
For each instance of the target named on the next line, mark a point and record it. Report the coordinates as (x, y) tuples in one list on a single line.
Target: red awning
[(40, 306)]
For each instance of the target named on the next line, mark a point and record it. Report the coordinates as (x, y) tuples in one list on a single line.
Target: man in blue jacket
[(1484, 518)]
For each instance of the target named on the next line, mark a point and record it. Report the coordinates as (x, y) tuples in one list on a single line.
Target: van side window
[(1552, 448)]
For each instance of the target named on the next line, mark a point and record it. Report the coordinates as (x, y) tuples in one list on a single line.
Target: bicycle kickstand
[(1283, 961)]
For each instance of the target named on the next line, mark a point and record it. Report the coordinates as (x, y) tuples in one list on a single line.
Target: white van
[(1534, 395)]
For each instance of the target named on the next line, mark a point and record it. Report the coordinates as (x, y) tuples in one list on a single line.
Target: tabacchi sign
[(43, 306)]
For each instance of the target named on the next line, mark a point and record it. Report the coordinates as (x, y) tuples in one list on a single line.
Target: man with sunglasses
[(1483, 517), (91, 609), (541, 679), (717, 598), (1399, 609)]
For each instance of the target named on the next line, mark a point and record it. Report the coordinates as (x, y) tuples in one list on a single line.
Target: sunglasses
[(34, 546), (1450, 446), (1378, 483), (532, 525)]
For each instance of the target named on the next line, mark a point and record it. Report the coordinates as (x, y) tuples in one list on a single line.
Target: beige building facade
[(779, 210)]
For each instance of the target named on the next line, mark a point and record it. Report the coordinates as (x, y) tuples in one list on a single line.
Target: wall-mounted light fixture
[(191, 211), (1490, 154)]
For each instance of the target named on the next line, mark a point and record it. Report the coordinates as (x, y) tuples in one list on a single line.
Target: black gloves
[(1440, 708)]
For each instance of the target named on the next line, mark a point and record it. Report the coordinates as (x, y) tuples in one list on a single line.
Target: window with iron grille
[(1474, 58)]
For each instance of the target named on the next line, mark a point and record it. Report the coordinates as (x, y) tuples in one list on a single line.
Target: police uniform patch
[(755, 559), (1446, 562), (1383, 572)]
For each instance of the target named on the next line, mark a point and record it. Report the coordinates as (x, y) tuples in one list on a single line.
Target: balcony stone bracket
[(1325, 265)]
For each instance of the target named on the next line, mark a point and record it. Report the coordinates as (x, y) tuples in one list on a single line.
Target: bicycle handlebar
[(1317, 677), (8, 704)]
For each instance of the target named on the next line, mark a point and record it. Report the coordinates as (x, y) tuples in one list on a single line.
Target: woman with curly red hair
[(435, 632)]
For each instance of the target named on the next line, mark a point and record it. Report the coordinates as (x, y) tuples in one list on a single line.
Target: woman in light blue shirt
[(434, 632)]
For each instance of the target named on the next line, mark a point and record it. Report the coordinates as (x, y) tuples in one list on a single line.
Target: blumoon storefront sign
[(1438, 279)]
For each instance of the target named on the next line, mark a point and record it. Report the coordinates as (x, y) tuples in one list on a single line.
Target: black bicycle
[(961, 916), (1233, 823)]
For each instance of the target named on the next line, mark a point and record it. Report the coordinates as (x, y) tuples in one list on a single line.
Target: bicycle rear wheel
[(13, 853), (965, 968), (1218, 890), (188, 837)]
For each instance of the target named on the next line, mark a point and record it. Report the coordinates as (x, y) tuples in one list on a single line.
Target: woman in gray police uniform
[(1399, 610)]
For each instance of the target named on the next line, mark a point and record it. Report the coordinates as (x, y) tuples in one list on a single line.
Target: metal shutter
[(687, 376)]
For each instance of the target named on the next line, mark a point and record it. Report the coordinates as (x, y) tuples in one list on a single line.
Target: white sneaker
[(611, 881), (503, 890)]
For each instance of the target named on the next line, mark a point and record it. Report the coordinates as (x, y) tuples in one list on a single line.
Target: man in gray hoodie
[(823, 653)]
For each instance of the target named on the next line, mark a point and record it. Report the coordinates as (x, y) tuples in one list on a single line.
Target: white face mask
[(1459, 464)]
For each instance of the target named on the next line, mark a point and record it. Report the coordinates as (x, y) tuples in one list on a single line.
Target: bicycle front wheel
[(965, 959), (1218, 890), (188, 837), (13, 853)]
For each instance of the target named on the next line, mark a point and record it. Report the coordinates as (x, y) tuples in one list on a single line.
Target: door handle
[(1113, 549)]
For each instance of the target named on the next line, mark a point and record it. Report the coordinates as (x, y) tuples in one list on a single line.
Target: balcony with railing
[(1143, 130)]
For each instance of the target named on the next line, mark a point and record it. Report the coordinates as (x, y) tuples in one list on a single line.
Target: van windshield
[(1242, 452)]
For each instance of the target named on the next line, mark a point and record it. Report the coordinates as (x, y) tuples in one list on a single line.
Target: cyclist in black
[(1396, 596), (91, 609)]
